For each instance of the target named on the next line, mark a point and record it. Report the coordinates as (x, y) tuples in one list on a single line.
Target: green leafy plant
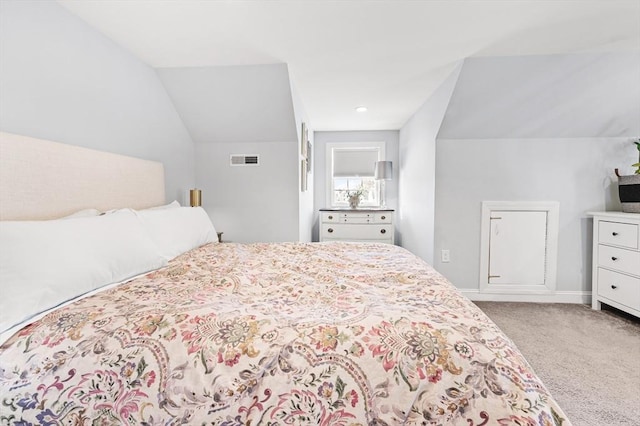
[(637, 165)]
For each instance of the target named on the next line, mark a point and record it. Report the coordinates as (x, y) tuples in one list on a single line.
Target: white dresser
[(616, 261), (357, 225)]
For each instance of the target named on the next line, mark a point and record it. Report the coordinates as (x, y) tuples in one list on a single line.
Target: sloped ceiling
[(389, 55), (250, 103), (548, 96)]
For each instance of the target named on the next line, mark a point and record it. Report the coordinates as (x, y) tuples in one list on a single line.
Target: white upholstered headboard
[(40, 179)]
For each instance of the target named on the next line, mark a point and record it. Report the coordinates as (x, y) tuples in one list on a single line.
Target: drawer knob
[(615, 234), (330, 230), (614, 258), (330, 217), (383, 231), (614, 286), (383, 217)]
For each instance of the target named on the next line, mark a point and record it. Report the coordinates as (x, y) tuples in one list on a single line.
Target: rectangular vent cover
[(245, 160)]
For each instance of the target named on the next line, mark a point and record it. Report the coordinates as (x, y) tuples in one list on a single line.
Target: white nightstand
[(362, 225), (616, 261)]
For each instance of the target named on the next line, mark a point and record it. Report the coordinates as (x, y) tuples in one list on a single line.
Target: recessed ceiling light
[(361, 109)]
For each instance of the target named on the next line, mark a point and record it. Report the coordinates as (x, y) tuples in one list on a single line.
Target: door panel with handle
[(517, 247)]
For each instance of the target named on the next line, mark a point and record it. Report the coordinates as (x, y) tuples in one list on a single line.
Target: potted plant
[(629, 187), (354, 198)]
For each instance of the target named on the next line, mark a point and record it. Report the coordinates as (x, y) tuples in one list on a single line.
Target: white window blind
[(354, 162)]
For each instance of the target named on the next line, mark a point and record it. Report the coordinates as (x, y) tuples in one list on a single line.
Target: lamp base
[(195, 198), (383, 198)]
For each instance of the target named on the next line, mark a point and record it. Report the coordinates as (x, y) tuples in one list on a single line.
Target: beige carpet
[(589, 360)]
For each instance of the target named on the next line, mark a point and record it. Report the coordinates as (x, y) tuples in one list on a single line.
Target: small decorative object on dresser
[(616, 261), (374, 226), (354, 199), (629, 187)]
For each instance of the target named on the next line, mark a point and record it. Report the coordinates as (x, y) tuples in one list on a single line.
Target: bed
[(268, 334)]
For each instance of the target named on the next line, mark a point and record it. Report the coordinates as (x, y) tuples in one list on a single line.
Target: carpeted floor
[(589, 360)]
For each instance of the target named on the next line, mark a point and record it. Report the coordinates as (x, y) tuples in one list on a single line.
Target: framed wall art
[(304, 140), (303, 175)]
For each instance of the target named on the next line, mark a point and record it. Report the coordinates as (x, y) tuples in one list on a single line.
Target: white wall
[(62, 80), (577, 172), (243, 103), (305, 198), (544, 130), (390, 137), (250, 203), (249, 109), (417, 171)]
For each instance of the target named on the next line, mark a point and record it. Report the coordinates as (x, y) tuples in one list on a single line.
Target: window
[(350, 168)]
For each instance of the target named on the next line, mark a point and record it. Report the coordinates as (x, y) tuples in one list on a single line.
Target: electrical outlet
[(445, 256)]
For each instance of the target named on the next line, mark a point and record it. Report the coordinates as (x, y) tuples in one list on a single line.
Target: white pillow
[(171, 205), (83, 213), (43, 264), (179, 230)]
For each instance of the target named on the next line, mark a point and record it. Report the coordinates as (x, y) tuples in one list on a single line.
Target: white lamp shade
[(383, 170)]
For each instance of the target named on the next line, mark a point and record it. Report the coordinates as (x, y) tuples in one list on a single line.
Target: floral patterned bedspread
[(273, 334)]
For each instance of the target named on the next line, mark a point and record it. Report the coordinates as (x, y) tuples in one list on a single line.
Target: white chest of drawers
[(357, 225), (616, 261)]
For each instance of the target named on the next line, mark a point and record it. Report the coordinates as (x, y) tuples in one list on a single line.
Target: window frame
[(329, 180)]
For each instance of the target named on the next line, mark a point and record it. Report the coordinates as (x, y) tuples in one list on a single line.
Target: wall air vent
[(245, 160)]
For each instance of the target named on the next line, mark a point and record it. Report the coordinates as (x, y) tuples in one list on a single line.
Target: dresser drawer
[(357, 232), (382, 217), (618, 234), (357, 217), (619, 288), (365, 217), (620, 259), (330, 217)]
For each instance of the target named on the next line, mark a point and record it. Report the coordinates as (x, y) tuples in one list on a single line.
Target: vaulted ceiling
[(386, 55)]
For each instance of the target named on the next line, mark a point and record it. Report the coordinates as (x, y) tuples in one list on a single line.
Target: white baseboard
[(582, 297)]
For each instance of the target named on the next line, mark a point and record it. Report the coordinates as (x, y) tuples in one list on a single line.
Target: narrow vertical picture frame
[(303, 175), (303, 141), (309, 156)]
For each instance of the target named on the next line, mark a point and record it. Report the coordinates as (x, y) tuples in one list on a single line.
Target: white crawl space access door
[(519, 245)]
